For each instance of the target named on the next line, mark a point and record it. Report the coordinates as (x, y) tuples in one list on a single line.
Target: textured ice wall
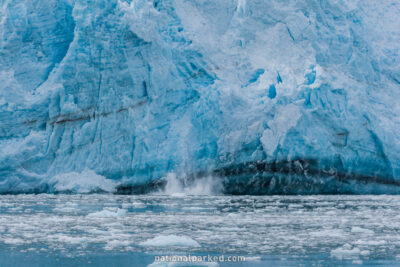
[(268, 93)]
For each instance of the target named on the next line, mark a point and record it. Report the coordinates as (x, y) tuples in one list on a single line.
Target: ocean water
[(136, 230)]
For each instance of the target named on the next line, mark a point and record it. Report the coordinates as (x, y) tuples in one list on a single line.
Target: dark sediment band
[(286, 178)]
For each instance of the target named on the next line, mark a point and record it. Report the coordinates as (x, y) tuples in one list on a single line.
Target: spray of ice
[(177, 186)]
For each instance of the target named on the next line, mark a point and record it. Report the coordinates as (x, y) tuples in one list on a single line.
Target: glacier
[(271, 97)]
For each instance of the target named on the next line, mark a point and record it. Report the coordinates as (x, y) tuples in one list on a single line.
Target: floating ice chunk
[(356, 229), (255, 258), (85, 182), (108, 213), (170, 240), (13, 241), (365, 253), (68, 239), (346, 252), (66, 207), (337, 233), (370, 242), (116, 243), (135, 205), (178, 195)]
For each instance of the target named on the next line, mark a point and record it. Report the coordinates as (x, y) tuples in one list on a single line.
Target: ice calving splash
[(177, 186)]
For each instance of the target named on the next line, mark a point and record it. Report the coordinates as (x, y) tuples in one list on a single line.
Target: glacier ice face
[(280, 96)]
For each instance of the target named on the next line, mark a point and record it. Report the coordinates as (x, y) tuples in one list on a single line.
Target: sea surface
[(141, 230)]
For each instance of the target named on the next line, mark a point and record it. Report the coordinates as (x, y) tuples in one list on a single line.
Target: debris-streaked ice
[(125, 92)]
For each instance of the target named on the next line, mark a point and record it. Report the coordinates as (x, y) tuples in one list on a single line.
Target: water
[(115, 230)]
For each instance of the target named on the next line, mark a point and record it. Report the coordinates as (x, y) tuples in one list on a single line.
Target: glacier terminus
[(268, 97)]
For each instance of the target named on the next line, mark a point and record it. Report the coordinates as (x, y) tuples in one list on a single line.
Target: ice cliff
[(269, 96)]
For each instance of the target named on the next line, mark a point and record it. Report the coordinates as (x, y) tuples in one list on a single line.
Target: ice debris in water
[(348, 252), (108, 213), (170, 240)]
